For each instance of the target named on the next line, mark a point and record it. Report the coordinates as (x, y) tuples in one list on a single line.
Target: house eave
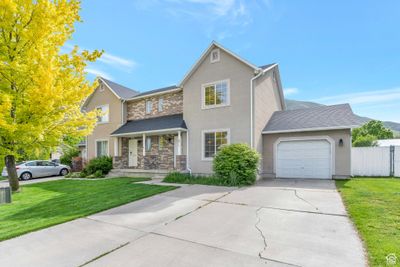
[(311, 129)]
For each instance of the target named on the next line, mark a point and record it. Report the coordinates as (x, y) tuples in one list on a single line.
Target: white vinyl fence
[(397, 161), (375, 161)]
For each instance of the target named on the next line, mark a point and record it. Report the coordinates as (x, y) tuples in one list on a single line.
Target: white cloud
[(98, 72), (215, 16), (290, 91), (108, 59), (117, 61), (367, 97)]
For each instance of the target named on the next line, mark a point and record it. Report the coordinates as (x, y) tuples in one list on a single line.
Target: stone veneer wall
[(172, 104), (157, 158)]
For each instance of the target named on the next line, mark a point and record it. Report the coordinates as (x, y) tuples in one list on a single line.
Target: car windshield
[(19, 163)]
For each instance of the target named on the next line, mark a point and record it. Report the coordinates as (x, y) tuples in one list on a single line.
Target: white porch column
[(144, 145), (179, 143), (116, 147)]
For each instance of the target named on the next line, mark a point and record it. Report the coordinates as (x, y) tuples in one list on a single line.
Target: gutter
[(251, 106), (261, 72)]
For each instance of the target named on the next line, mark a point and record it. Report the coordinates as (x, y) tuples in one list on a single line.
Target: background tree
[(41, 89), (369, 133)]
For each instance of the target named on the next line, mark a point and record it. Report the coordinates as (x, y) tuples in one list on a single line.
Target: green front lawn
[(374, 206), (3, 178), (44, 204)]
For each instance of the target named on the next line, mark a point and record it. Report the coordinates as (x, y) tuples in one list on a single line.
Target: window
[(212, 142), (216, 94), (148, 143), (101, 148), (160, 104), (214, 56), (30, 164), (101, 88), (148, 106), (103, 116)]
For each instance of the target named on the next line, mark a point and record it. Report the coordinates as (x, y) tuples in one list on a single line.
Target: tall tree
[(367, 134), (41, 88)]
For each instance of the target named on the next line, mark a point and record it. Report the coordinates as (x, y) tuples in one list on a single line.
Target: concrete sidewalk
[(274, 223)]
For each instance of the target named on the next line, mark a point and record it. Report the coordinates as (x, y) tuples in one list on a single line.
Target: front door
[(133, 157)]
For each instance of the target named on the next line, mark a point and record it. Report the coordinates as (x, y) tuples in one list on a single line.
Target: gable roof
[(120, 91), (205, 53), (156, 91), (153, 124), (312, 119)]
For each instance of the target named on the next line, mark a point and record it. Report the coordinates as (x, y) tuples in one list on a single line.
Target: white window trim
[(151, 106), (211, 55), (100, 140), (160, 104), (108, 114), (213, 131), (228, 94)]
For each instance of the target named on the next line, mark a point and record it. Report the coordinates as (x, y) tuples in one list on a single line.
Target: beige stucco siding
[(235, 117), (102, 131), (266, 102), (342, 153)]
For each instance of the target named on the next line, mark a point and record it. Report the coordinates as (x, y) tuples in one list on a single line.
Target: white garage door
[(304, 159)]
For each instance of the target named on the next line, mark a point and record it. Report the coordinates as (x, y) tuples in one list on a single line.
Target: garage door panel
[(304, 159)]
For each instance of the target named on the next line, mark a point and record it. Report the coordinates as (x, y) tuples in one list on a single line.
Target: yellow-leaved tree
[(41, 88)]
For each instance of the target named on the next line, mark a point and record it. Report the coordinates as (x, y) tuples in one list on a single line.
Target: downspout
[(251, 106), (187, 153)]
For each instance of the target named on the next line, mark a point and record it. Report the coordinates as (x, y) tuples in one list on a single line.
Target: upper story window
[(149, 105), (101, 87), (104, 114), (214, 56), (212, 142), (160, 104), (215, 94)]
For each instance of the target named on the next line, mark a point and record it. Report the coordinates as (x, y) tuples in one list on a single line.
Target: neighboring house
[(109, 98), (223, 99)]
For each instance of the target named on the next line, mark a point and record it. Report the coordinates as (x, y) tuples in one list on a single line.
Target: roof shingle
[(152, 124), (122, 91), (335, 116)]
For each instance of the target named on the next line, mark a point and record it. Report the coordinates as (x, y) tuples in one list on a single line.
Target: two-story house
[(223, 99)]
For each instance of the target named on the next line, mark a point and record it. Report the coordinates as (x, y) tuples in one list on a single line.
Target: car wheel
[(64, 172), (26, 176)]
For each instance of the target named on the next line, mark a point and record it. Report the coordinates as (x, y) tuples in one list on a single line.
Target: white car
[(38, 168)]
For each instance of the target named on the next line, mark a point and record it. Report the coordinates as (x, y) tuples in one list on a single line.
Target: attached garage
[(304, 159), (312, 143)]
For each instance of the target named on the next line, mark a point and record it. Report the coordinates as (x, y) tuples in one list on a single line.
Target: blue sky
[(328, 51)]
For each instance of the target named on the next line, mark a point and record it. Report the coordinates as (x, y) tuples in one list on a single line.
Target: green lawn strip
[(3, 178), (374, 206), (182, 178), (45, 204)]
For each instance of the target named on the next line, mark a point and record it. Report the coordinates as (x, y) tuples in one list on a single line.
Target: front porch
[(160, 148)]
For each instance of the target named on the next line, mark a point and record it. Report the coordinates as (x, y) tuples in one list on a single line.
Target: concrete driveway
[(274, 223)]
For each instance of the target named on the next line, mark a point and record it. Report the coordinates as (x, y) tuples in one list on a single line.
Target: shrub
[(186, 178), (68, 154), (98, 174), (103, 164), (236, 164), (74, 175)]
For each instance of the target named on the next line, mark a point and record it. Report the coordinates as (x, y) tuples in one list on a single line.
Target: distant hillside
[(296, 104)]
